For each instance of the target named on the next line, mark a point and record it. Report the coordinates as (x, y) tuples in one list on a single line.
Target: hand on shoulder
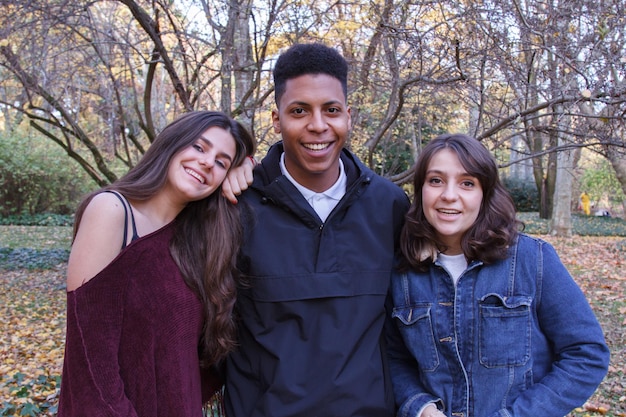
[(238, 179)]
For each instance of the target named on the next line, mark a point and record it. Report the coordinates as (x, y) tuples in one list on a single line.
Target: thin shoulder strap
[(127, 208), (132, 222)]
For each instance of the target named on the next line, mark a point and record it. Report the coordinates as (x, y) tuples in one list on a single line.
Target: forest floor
[(32, 332)]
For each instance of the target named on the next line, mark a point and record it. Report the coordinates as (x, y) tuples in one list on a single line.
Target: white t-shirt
[(454, 264)]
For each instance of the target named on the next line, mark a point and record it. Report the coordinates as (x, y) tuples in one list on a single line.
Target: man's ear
[(276, 121)]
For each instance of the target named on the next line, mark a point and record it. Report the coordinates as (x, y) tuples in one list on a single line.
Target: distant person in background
[(151, 278), (602, 213), (585, 203), (487, 321)]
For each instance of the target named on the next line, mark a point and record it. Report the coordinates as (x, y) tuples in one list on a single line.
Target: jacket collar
[(269, 169)]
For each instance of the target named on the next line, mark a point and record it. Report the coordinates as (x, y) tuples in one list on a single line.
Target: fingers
[(238, 180), (228, 192), (247, 174), (432, 411)]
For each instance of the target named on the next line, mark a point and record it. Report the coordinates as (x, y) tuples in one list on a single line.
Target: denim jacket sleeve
[(411, 396), (580, 355)]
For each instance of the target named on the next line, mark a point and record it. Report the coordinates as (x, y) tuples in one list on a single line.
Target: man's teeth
[(195, 175), (316, 146)]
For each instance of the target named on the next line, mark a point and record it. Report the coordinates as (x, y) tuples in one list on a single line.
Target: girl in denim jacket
[(486, 320)]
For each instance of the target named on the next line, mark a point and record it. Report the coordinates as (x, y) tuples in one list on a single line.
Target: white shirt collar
[(323, 202)]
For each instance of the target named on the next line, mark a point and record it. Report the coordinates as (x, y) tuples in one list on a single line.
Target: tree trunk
[(618, 162), (244, 63), (561, 224)]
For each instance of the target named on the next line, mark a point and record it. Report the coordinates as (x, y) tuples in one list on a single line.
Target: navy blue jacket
[(311, 317)]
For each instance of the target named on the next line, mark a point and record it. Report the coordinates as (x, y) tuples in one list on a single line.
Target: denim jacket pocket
[(415, 325), (504, 331)]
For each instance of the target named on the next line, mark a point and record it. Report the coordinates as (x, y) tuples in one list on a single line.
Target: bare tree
[(541, 69), (100, 77)]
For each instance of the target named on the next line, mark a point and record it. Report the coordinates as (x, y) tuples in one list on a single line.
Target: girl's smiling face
[(451, 199), (199, 169)]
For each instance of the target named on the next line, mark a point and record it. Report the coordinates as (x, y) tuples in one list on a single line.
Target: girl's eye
[(198, 148), (468, 184), (222, 164), (434, 180)]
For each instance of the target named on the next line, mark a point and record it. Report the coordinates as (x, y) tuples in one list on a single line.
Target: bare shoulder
[(104, 212), (105, 203), (98, 240)]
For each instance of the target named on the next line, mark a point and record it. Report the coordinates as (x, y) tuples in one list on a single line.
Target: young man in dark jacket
[(319, 239)]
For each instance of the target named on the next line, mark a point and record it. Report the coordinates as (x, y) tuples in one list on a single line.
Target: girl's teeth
[(195, 175)]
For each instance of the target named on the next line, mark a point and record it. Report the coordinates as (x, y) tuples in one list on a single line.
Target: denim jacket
[(513, 338)]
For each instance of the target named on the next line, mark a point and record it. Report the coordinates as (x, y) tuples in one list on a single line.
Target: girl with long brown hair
[(151, 278)]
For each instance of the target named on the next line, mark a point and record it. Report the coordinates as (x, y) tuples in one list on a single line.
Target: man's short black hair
[(309, 58)]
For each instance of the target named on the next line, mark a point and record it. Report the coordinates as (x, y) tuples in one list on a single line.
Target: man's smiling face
[(314, 121)]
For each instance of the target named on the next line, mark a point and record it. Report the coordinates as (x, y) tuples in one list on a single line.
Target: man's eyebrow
[(297, 103), (305, 103)]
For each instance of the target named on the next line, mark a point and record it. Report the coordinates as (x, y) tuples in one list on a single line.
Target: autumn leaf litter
[(33, 327)]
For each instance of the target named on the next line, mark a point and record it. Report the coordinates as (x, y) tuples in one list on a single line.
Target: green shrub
[(600, 182), (40, 219), (524, 194), (33, 259), (581, 225), (36, 176)]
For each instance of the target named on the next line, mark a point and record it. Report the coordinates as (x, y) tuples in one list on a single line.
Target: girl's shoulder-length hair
[(496, 227)]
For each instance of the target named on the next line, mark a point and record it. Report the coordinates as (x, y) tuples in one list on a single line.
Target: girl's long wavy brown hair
[(495, 228), (208, 231)]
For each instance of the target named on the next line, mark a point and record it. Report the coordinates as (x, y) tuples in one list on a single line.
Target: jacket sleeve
[(410, 394), (91, 382), (580, 356), (400, 208)]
